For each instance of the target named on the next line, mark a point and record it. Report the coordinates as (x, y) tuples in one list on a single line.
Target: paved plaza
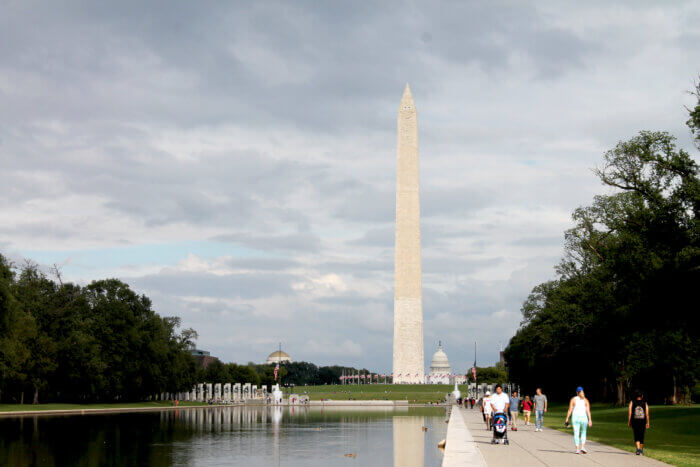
[(527, 447)]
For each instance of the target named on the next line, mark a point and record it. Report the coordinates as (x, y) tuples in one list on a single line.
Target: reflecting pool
[(251, 436)]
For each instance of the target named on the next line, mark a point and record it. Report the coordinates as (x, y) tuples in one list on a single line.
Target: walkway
[(528, 448)]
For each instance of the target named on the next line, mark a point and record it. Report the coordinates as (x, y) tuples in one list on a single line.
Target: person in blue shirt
[(513, 410)]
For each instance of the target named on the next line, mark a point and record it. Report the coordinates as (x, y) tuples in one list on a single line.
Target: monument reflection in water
[(231, 435)]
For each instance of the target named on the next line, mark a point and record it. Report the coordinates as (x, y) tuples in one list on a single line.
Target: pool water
[(250, 436)]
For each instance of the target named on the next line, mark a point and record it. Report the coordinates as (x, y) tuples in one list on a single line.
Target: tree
[(102, 342), (631, 256)]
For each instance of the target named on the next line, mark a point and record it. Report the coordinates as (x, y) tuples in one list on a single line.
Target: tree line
[(489, 375), (101, 342), (60, 342), (622, 313), (290, 373)]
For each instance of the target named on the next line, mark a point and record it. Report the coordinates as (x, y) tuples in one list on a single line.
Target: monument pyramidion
[(408, 289)]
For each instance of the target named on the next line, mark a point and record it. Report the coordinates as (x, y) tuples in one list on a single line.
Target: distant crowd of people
[(578, 414)]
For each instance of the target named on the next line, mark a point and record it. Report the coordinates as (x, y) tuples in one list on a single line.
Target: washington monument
[(408, 289)]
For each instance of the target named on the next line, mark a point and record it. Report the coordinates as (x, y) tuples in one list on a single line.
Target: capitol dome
[(440, 367), (278, 356)]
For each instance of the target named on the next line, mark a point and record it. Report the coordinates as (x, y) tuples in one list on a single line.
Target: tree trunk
[(674, 400), (36, 396), (620, 393), (605, 389), (21, 398)]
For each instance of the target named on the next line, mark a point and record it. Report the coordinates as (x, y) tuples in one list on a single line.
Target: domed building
[(440, 367), (278, 356)]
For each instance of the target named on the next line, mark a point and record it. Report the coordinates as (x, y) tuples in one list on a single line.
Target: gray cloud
[(302, 241), (263, 133), (245, 286)]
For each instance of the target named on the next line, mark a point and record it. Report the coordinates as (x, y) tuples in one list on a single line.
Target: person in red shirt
[(527, 409)]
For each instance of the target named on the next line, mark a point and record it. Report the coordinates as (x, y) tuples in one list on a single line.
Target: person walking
[(500, 401), (540, 409), (580, 413), (638, 419), (527, 410), (487, 409), (513, 408)]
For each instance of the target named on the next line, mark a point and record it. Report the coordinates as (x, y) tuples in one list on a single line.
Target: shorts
[(526, 413)]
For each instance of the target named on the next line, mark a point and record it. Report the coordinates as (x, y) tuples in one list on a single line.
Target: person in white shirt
[(580, 413), (487, 409), (500, 401)]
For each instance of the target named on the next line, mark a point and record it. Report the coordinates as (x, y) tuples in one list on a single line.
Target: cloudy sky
[(235, 161)]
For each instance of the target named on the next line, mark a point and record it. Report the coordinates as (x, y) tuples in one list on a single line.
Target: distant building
[(278, 356), (440, 371), (202, 357), (439, 367)]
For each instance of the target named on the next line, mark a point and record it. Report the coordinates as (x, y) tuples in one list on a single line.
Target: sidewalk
[(549, 447)]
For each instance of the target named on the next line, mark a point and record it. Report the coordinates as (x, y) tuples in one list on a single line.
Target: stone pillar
[(264, 394), (193, 393), (209, 394), (246, 391), (227, 393), (237, 392), (408, 364), (254, 392), (200, 392), (217, 393)]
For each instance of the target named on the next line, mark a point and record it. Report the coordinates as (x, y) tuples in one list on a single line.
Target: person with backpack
[(638, 420)]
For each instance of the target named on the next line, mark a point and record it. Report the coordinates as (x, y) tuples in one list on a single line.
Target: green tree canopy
[(621, 313), (101, 342)]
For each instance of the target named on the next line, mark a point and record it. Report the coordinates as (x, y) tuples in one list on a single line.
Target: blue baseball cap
[(579, 389)]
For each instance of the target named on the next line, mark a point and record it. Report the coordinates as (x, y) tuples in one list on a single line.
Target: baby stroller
[(500, 428)]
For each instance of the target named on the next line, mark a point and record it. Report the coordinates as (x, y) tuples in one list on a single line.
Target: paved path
[(549, 447)]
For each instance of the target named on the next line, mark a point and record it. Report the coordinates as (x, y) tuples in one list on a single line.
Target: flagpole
[(476, 387)]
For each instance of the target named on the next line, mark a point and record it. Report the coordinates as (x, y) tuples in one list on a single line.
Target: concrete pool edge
[(460, 447), (89, 411)]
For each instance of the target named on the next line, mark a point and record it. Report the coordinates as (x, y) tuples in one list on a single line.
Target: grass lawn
[(674, 435), (420, 394), (125, 405)]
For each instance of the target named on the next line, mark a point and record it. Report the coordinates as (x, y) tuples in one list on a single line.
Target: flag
[(277, 369)]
